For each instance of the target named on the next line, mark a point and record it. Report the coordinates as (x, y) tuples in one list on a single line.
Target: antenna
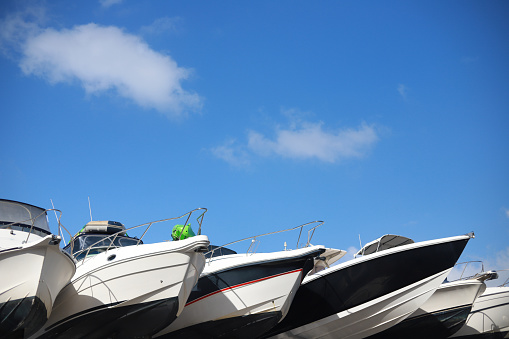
[(90, 208), (56, 217)]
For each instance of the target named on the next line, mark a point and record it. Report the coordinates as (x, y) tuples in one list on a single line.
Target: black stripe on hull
[(247, 327), (489, 307), (134, 321), (437, 325), (359, 283), (241, 275), (21, 317)]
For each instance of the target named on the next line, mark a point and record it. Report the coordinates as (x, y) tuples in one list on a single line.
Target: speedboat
[(444, 313), (389, 279), (243, 295), (124, 288), (34, 269), (489, 317)]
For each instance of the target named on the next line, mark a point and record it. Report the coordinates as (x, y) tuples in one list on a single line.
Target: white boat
[(372, 292), (444, 313), (33, 268), (489, 317), (244, 295), (124, 288)]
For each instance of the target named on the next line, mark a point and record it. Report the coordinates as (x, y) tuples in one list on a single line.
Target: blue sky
[(376, 117)]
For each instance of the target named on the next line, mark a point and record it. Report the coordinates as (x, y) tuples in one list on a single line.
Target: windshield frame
[(86, 244)]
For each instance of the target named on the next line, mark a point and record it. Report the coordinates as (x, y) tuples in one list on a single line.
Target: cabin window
[(98, 244)]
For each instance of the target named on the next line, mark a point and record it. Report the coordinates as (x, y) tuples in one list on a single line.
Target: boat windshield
[(97, 243), (216, 251)]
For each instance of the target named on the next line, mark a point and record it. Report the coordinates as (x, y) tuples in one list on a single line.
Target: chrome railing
[(31, 221), (111, 238), (254, 239), (481, 275), (466, 263)]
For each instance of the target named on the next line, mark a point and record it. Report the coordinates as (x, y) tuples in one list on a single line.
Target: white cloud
[(102, 59), (506, 211), (108, 3), (232, 153), (403, 90), (16, 27), (301, 140), (306, 140)]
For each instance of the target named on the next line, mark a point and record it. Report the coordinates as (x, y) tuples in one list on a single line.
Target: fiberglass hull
[(32, 276), (127, 292), (367, 295), (242, 296), (441, 315), (489, 317)]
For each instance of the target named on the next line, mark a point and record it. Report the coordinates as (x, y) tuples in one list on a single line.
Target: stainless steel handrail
[(148, 225), (506, 282), (33, 219), (311, 232), (466, 263)]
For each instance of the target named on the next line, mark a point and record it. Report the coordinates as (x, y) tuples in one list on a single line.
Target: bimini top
[(383, 243), (23, 215)]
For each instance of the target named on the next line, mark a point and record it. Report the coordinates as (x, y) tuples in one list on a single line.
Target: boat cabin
[(97, 237), (18, 216)]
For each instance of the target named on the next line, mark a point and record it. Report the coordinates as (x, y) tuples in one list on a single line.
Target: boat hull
[(32, 276), (127, 292), (489, 317), (442, 315), (242, 327), (367, 295), (245, 299)]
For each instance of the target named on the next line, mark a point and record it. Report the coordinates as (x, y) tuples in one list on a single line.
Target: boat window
[(98, 243)]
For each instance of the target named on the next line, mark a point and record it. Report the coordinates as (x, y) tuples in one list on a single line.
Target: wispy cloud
[(310, 140), (506, 211), (162, 25), (502, 259), (102, 59), (403, 91), (303, 140), (108, 3), (17, 27), (232, 153)]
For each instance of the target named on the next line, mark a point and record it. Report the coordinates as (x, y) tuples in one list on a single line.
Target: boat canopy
[(23, 215), (383, 243)]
